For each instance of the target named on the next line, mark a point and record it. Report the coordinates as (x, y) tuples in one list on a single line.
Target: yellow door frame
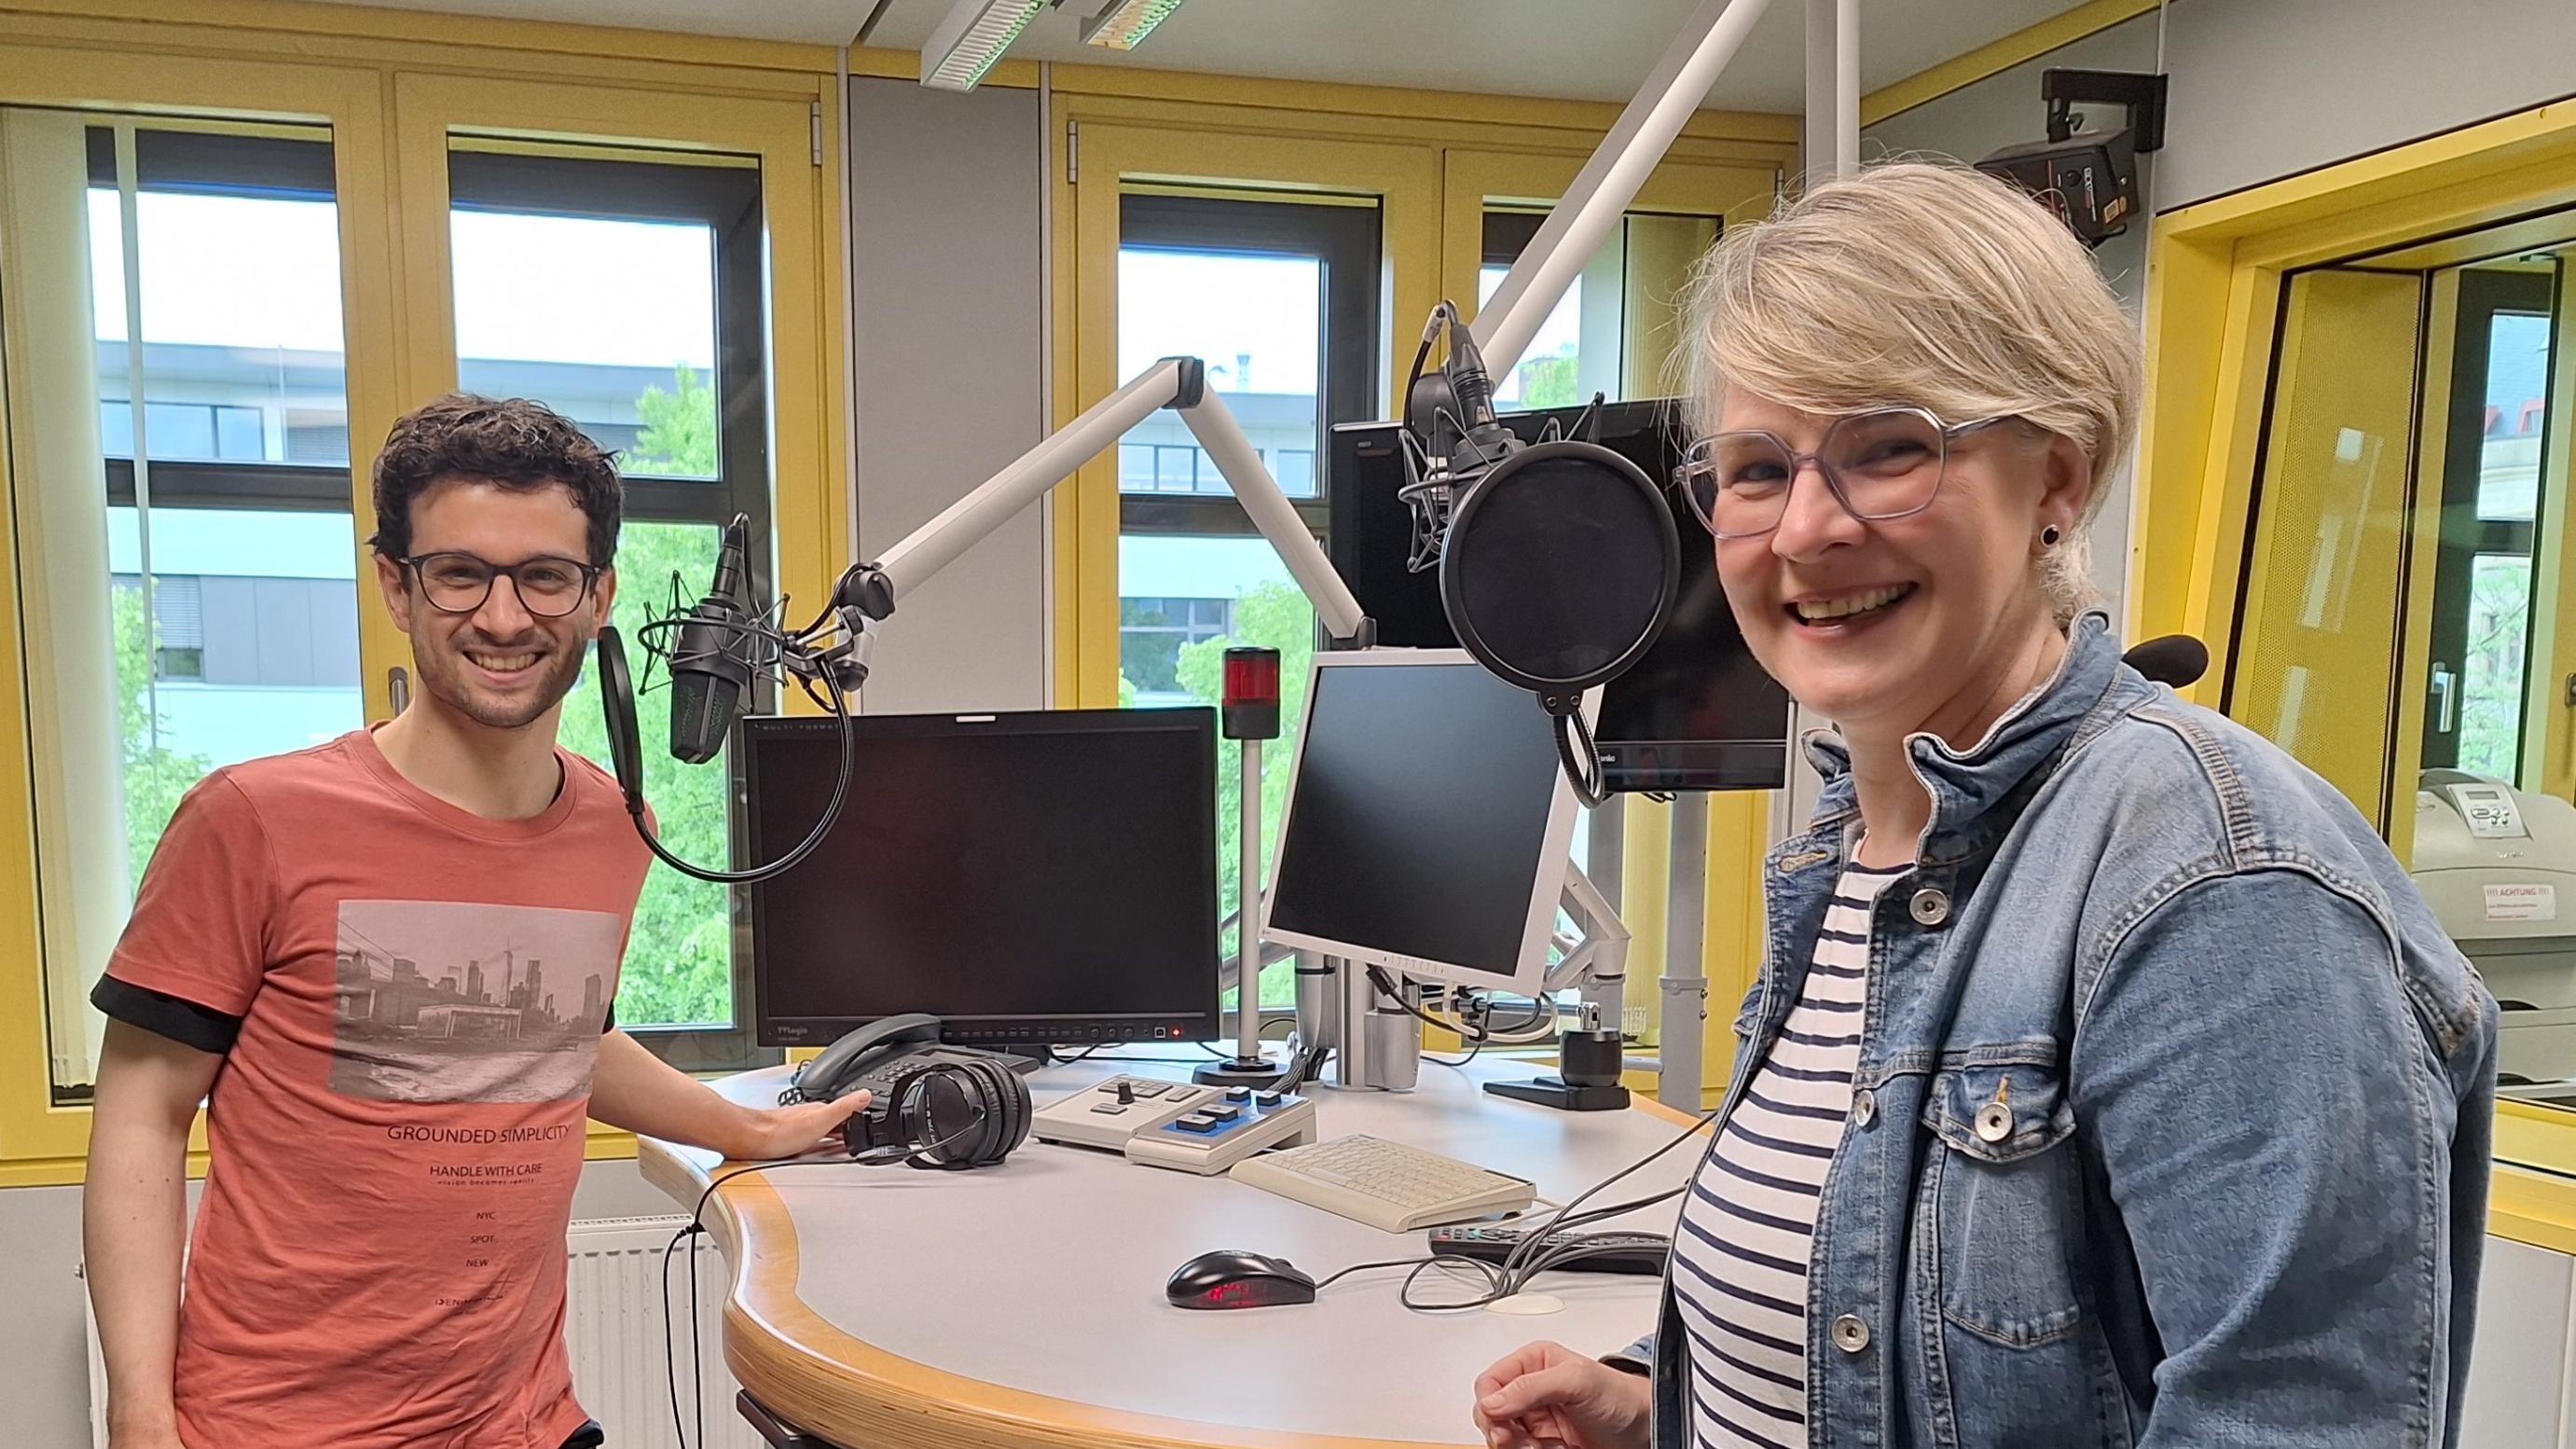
[(2217, 271)]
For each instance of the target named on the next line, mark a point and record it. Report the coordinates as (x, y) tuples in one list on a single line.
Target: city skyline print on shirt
[(448, 1001)]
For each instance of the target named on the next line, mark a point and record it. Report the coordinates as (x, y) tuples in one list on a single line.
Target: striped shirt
[(1747, 1229)]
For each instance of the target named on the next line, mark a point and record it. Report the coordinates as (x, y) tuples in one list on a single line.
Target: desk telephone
[(933, 1105)]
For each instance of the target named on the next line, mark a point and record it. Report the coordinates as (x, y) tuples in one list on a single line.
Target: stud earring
[(2049, 536)]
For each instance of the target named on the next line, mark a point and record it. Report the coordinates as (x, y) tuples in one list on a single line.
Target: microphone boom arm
[(1178, 383)]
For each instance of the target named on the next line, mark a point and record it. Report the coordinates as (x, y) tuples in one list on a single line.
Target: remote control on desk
[(1638, 1253)]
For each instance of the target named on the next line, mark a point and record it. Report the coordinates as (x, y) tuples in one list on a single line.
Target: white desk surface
[(1023, 1304)]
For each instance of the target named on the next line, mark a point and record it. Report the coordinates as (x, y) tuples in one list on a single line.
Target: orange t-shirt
[(378, 1260)]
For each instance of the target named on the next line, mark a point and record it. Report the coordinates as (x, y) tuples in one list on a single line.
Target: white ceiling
[(1591, 49)]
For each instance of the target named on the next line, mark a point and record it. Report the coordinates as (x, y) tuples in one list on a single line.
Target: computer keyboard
[(1386, 1185)]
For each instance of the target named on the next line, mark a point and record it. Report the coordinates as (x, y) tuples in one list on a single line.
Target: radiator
[(613, 1334)]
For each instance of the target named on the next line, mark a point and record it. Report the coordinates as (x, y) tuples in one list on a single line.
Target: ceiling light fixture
[(970, 41), (1124, 24)]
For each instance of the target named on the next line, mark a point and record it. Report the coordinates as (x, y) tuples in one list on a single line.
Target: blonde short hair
[(1929, 285)]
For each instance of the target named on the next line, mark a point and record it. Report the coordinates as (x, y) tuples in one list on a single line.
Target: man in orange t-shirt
[(385, 964)]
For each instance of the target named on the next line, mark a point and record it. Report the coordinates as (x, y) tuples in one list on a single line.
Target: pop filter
[(617, 712), (1558, 573)]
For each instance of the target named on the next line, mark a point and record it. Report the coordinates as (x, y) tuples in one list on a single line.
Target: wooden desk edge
[(822, 1380)]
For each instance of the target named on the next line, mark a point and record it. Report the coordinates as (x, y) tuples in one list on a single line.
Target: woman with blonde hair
[(2106, 1083)]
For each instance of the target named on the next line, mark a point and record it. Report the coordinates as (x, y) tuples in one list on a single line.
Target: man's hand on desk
[(768, 1133), (1547, 1394)]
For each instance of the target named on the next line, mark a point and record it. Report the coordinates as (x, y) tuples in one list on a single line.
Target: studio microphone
[(2173, 659), (710, 661), (1452, 436)]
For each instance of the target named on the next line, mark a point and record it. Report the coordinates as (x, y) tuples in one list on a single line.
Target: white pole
[(1833, 88), (1213, 424), (969, 520), (1247, 916), (1609, 181)]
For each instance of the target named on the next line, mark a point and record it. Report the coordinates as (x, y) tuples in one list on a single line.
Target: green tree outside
[(155, 776), (1549, 382), (679, 956)]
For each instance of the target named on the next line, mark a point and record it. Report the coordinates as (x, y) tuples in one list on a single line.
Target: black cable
[(697, 1226), (1474, 1046), (1386, 987), (822, 826), (1582, 761), (1527, 1245)]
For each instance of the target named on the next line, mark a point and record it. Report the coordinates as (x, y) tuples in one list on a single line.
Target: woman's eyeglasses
[(1880, 465)]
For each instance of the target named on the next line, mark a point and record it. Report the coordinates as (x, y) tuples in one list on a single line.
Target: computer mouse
[(1238, 1280)]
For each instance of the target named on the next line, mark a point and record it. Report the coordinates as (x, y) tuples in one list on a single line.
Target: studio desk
[(1022, 1304)]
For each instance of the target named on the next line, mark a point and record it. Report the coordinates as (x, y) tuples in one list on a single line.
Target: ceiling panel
[(1506, 47)]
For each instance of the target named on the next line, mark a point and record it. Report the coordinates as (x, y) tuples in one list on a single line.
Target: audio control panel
[(1182, 1125)]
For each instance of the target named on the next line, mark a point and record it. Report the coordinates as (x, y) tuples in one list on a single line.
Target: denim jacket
[(2235, 1190)]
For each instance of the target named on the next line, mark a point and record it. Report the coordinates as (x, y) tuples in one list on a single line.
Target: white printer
[(2498, 866)]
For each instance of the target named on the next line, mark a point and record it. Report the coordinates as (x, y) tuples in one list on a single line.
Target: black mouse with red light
[(1238, 1280)]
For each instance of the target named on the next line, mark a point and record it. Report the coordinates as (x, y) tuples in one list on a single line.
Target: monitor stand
[(1258, 1072)]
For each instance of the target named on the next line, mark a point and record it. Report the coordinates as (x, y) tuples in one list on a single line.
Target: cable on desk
[(1528, 1245)]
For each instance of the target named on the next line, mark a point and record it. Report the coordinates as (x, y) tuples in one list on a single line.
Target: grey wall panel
[(2001, 110), (44, 1396), (2267, 88), (947, 250)]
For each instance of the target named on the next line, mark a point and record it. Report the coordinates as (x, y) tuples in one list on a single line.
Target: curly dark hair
[(512, 442)]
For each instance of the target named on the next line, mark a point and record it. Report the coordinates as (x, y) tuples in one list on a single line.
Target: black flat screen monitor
[(1027, 878), (1697, 713), (1427, 822)]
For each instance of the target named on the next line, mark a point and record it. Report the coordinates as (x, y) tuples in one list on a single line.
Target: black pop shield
[(1559, 571)]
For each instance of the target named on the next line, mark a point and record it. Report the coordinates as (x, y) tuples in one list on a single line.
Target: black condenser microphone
[(2174, 659), (1457, 437), (710, 662)]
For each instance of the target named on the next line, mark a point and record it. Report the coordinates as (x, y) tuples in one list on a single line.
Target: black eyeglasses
[(458, 583), (1880, 465)]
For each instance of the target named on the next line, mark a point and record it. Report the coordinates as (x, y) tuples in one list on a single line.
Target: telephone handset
[(933, 1105), (835, 1073)]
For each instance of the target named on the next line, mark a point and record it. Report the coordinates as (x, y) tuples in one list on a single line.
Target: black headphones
[(935, 1110)]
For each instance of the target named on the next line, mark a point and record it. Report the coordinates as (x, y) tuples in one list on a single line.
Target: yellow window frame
[(2217, 272)]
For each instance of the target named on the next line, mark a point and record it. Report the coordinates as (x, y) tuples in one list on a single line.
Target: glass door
[(1280, 299), (2401, 618), (2491, 486)]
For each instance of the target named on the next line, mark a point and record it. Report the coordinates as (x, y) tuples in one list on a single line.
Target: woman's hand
[(1546, 1395)]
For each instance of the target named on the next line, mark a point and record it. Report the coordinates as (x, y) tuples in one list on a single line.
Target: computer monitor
[(1427, 821), (1028, 878), (1696, 713)]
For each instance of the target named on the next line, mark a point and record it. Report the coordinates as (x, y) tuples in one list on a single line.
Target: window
[(201, 581), (2491, 487), (1158, 629), (1611, 332), (1280, 301), (626, 294)]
